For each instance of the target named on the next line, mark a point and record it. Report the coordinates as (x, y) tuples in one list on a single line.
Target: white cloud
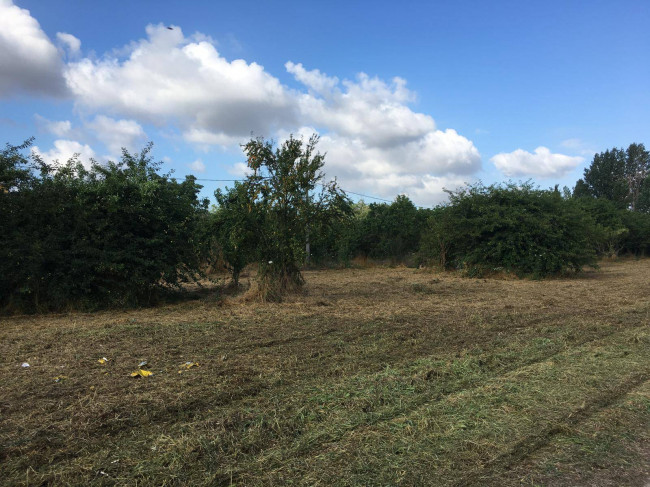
[(368, 108), (64, 150), (72, 44), (369, 130), (374, 141), (541, 163), (205, 138), (60, 128), (240, 170), (197, 166), (577, 145), (114, 134), (572, 143), (117, 134), (314, 79), (168, 78), (29, 62), (420, 168)]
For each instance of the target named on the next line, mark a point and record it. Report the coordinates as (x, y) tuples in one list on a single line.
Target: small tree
[(281, 191), (236, 222)]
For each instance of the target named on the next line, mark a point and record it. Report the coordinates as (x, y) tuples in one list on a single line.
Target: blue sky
[(408, 97)]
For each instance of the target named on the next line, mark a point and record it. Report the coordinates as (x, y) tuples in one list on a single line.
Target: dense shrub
[(391, 230), (514, 228), (617, 230), (382, 231), (637, 241), (109, 235)]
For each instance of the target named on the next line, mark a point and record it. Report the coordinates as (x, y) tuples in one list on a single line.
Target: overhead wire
[(320, 184)]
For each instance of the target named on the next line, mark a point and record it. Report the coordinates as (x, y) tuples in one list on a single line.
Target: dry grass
[(372, 377)]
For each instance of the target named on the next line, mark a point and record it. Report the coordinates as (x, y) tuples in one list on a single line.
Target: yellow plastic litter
[(187, 366), (141, 373), (103, 360)]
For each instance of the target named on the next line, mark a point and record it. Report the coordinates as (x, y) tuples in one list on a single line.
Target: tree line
[(123, 234)]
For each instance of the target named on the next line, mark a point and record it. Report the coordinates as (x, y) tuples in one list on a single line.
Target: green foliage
[(391, 230), (616, 230), (637, 170), (609, 232), (235, 223), (280, 192), (328, 230), (350, 232), (383, 231), (604, 178), (108, 235), (643, 203), (637, 241), (515, 228), (15, 168), (620, 176)]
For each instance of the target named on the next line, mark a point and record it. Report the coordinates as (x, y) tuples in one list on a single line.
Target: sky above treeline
[(407, 97)]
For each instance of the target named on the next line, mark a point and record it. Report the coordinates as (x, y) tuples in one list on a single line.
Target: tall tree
[(637, 168), (617, 175), (605, 177)]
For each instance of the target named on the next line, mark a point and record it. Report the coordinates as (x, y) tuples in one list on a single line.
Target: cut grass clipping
[(404, 378)]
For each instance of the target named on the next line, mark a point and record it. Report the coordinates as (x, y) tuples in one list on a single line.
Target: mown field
[(372, 377)]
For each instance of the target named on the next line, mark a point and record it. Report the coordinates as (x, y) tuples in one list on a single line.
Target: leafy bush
[(382, 231), (637, 241), (108, 235), (617, 230), (391, 230), (514, 228), (235, 223)]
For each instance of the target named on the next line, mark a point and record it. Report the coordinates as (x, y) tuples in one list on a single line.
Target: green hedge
[(513, 227), (109, 235)]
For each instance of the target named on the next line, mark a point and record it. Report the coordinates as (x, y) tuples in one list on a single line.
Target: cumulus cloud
[(114, 134), (420, 169), (206, 138), (117, 134), (375, 141), (72, 44), (578, 146), (240, 170), (541, 163), (197, 166), (60, 128), (29, 62), (369, 109), (65, 150), (167, 78), (369, 129), (314, 79)]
